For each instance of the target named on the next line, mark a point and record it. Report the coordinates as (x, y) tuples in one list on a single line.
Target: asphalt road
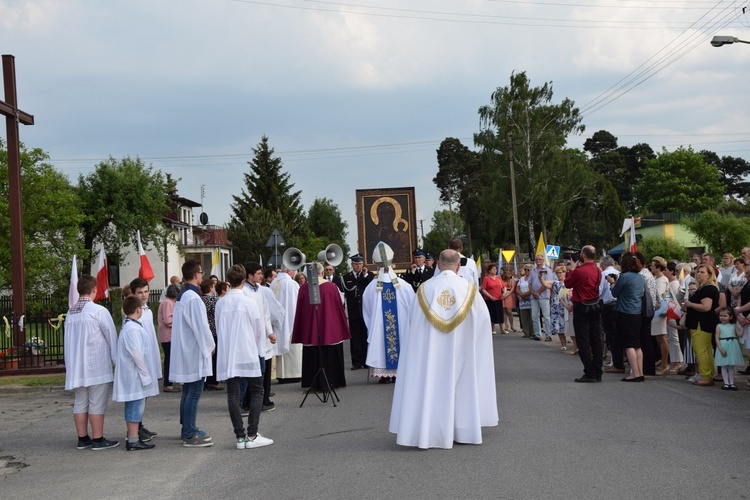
[(556, 439)]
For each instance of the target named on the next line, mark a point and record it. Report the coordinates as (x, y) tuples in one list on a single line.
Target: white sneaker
[(241, 443), (694, 378), (258, 442)]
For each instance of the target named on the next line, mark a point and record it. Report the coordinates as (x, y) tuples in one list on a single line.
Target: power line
[(486, 19), (678, 50)]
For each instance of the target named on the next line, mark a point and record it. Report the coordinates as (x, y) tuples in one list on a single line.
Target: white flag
[(73, 291)]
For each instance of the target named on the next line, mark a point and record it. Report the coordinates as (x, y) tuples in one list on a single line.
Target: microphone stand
[(328, 391)]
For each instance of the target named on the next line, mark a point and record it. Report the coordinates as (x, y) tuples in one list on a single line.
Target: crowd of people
[(661, 318), (219, 336), (426, 330)]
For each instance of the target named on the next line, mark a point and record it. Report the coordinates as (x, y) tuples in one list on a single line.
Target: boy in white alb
[(90, 351), (240, 333), (135, 379), (139, 288)]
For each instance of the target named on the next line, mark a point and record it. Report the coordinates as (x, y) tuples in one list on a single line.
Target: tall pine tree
[(267, 202)]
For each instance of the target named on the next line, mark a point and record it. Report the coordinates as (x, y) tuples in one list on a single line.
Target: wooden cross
[(13, 116)]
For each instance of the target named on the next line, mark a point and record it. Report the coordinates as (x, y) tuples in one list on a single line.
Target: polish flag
[(102, 277), (628, 225), (73, 290), (145, 270)]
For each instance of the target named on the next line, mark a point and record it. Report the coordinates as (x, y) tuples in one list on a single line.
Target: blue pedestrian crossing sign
[(553, 252)]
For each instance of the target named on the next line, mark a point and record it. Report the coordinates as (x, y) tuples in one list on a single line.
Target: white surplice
[(90, 345), (278, 321), (289, 363), (469, 271), (134, 378), (372, 313), (240, 334), (192, 341), (445, 389), (154, 356)]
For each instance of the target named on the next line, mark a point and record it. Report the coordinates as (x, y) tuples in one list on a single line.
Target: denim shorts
[(134, 410)]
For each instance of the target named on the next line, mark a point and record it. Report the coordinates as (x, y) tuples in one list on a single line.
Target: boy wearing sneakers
[(192, 347), (139, 288), (90, 351), (134, 376), (240, 334)]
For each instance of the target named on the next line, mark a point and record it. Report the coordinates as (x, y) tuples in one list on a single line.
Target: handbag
[(647, 305)]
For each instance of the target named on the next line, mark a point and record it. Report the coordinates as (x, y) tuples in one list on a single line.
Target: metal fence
[(44, 331)]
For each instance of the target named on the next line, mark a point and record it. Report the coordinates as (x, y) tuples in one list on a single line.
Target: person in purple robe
[(322, 330)]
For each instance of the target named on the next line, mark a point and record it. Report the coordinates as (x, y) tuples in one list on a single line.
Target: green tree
[(267, 202), (663, 246), (679, 181), (734, 173), (119, 198), (459, 179), (721, 233), (444, 226), (523, 125), (51, 221), (327, 225), (619, 165), (596, 218)]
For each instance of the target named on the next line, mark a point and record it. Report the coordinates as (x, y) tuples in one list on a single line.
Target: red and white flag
[(102, 277), (145, 270), (629, 224), (73, 290)]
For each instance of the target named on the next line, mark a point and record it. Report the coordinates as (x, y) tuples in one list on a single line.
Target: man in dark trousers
[(419, 272), (353, 285), (584, 279)]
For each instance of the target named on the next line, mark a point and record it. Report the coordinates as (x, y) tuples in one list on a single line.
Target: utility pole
[(513, 191)]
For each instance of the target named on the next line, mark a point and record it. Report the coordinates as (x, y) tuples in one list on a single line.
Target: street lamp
[(720, 40)]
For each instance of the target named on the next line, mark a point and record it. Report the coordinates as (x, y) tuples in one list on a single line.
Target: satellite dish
[(203, 218)]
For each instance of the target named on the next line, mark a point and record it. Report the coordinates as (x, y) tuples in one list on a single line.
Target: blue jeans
[(134, 410), (191, 394), (540, 307)]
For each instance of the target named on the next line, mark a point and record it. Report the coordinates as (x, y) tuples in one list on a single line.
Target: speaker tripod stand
[(328, 392)]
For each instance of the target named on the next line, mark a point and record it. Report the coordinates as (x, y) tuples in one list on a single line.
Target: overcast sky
[(358, 94)]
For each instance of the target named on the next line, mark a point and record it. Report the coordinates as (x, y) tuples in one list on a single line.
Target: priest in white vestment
[(386, 303), (289, 360), (445, 389)]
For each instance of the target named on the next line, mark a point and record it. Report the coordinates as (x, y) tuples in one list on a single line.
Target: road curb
[(20, 389)]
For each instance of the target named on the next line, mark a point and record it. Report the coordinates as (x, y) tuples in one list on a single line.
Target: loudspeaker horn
[(333, 255), (293, 258)]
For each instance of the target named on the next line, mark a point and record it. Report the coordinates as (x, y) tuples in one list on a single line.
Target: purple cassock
[(334, 329)]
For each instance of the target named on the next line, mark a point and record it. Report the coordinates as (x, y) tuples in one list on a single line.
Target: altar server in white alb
[(289, 360), (468, 268), (445, 389), (135, 376), (241, 335), (273, 315), (192, 347), (139, 288), (385, 308), (90, 351)]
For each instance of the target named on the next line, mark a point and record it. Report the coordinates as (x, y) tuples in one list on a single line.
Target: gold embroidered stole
[(446, 300)]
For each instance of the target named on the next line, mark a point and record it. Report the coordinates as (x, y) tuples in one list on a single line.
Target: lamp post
[(720, 40)]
